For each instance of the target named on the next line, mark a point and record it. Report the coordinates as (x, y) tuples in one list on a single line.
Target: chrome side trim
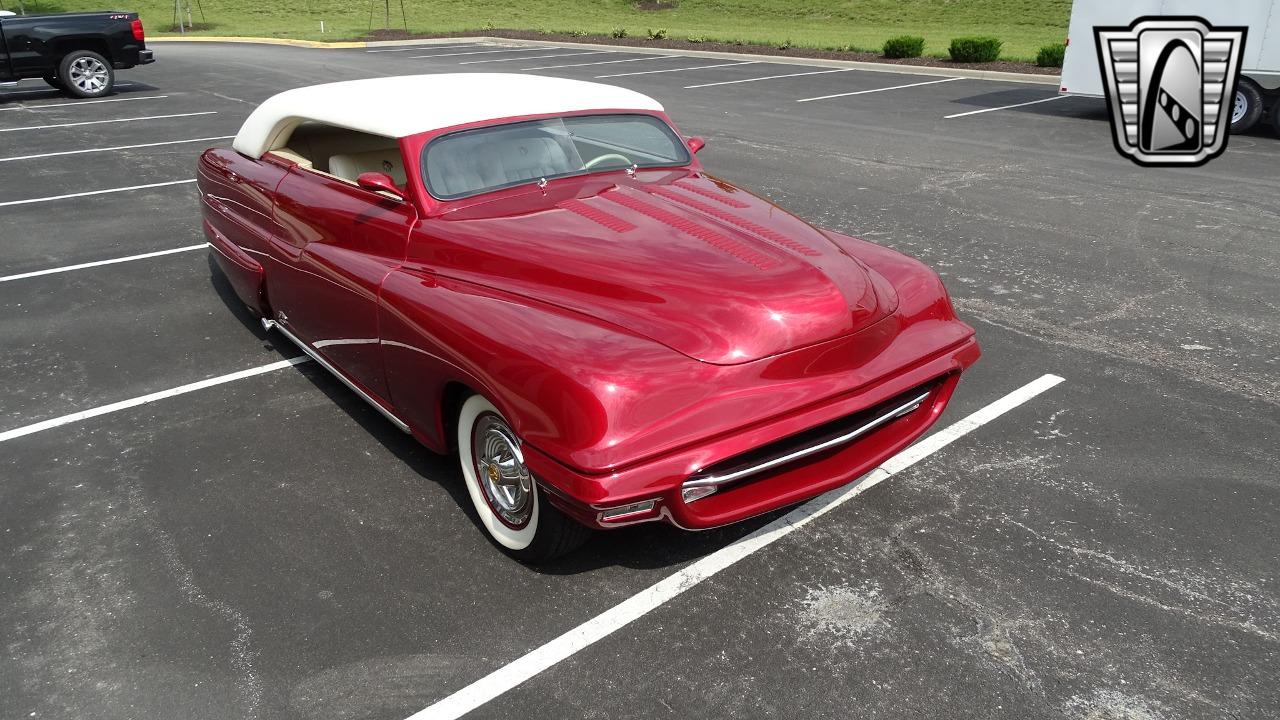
[(718, 480), (270, 325)]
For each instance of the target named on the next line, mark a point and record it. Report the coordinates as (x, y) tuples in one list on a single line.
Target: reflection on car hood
[(689, 261)]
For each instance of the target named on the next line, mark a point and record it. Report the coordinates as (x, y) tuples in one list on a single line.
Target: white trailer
[(1259, 87)]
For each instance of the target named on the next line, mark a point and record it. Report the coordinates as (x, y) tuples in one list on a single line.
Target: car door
[(337, 243), (5, 74)]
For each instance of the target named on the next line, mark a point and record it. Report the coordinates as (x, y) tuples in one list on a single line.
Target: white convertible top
[(397, 107)]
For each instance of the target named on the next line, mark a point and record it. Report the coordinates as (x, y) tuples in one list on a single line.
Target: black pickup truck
[(75, 52)]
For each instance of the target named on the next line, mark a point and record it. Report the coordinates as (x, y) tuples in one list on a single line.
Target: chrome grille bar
[(715, 481)]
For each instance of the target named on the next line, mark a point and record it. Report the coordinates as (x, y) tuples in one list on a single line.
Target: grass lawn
[(1023, 25)]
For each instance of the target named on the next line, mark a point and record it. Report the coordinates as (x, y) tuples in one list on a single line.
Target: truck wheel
[(1247, 108), (54, 81), (86, 74)]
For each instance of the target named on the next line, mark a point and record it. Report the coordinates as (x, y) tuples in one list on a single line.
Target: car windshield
[(476, 161)]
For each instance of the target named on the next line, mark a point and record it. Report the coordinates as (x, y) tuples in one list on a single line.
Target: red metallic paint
[(632, 329)]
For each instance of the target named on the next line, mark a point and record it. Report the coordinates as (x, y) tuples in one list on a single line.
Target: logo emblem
[(1171, 85)]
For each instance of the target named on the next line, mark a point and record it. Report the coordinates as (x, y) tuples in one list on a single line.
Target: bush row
[(962, 49)]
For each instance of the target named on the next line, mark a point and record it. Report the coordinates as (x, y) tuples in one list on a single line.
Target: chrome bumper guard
[(702, 485)]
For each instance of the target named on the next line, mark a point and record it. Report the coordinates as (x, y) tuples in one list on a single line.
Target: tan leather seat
[(349, 166), (289, 154)]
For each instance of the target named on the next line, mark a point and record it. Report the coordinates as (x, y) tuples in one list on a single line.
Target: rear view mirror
[(695, 143), (379, 182)]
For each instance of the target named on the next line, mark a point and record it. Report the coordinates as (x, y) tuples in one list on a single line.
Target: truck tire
[(1247, 109), (54, 81), (86, 74)]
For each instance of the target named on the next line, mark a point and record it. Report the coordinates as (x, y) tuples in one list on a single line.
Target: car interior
[(473, 161), (343, 154)]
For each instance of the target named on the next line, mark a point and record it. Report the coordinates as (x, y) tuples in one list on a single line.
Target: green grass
[(1023, 25)]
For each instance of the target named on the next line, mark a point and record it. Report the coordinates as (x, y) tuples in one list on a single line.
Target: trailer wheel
[(86, 74), (1247, 109)]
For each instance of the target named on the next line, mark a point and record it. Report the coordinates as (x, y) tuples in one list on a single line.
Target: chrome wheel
[(500, 468), (89, 74), (1241, 107)]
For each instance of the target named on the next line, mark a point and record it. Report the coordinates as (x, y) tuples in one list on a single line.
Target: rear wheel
[(86, 74), (1247, 108), (504, 492)]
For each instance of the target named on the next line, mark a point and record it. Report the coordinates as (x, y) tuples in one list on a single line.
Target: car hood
[(686, 260)]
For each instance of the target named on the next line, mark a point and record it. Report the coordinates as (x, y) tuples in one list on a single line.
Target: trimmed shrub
[(975, 49), (619, 32), (904, 46), (1051, 55), (659, 34)]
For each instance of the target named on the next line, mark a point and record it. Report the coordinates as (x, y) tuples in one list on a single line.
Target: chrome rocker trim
[(718, 480), (270, 325)]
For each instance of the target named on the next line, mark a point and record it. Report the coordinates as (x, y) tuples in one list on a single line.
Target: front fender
[(557, 376)]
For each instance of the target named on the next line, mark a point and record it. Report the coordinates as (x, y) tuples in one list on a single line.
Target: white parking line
[(696, 67), (876, 90), (144, 399), (429, 47), (99, 263), (1003, 107), (767, 77), (94, 192), (117, 147), (606, 62), (635, 607), (83, 102), (101, 122), (486, 52), (538, 57)]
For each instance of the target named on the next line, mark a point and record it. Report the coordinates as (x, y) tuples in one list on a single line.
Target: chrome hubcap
[(500, 469), (88, 74), (1241, 107)]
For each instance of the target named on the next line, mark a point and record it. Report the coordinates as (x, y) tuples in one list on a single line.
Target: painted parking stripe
[(144, 399), (604, 624), (538, 57), (876, 90), (1004, 107), (116, 147), (486, 52), (100, 263), (669, 70), (606, 62), (84, 102), (767, 77), (95, 192), (102, 122), (429, 47)]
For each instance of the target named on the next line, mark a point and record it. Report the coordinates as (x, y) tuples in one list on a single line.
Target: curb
[(259, 41), (994, 75)]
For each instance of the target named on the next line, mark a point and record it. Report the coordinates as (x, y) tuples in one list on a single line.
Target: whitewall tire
[(503, 491)]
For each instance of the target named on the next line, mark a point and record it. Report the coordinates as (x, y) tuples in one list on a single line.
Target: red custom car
[(537, 273)]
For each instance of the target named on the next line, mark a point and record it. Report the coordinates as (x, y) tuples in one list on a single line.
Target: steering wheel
[(601, 158)]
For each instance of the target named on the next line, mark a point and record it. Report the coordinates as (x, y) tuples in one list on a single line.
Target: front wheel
[(504, 492), (86, 74), (1247, 108)]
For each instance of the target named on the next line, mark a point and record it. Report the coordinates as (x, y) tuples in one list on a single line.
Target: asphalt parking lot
[(270, 547)]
